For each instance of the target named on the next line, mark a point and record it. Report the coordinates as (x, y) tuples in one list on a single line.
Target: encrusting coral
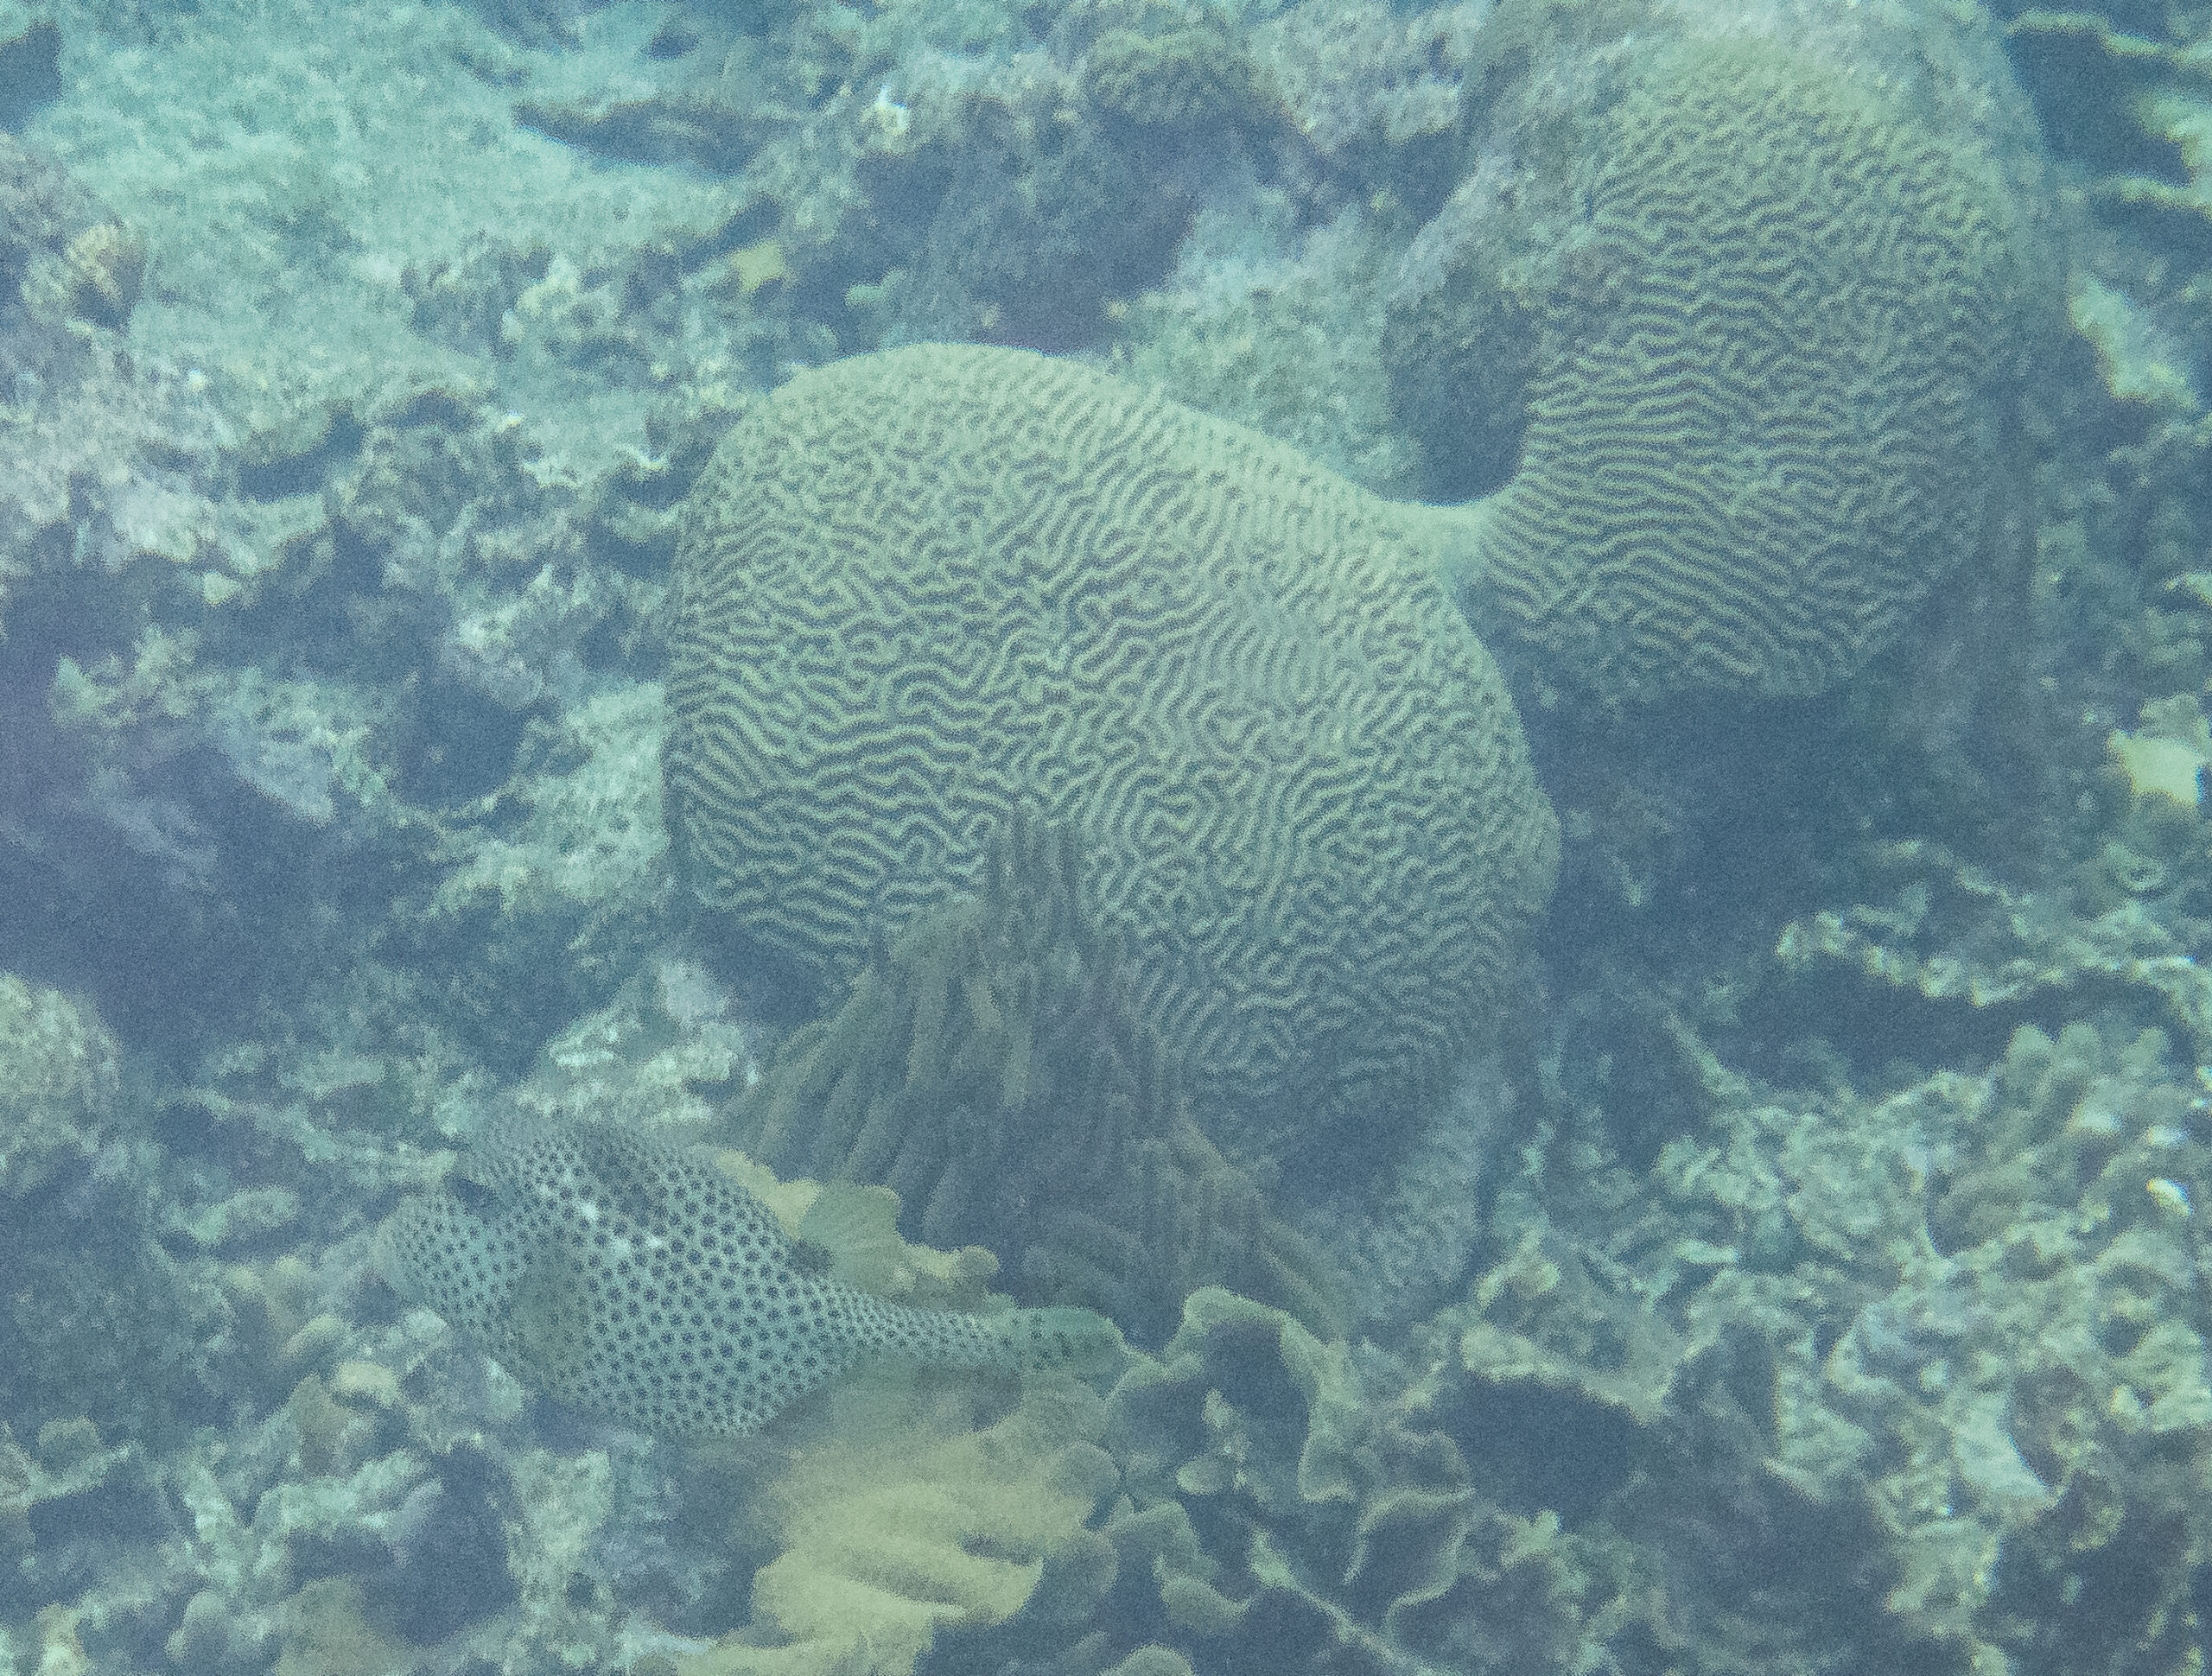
[(904, 1514), (2020, 1398), (918, 591), (97, 1320), (1280, 1510), (987, 1066)]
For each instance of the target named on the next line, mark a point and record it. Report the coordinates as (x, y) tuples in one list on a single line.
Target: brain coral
[(1185, 77), (922, 591), (1764, 408)]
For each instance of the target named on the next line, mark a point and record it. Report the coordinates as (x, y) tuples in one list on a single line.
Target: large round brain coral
[(1765, 400), (918, 592)]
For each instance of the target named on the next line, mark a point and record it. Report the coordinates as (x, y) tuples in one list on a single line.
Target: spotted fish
[(641, 1284)]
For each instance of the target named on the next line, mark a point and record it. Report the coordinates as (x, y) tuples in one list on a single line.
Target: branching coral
[(988, 1066)]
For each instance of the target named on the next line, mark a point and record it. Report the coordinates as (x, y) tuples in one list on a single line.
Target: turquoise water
[(1536, 809)]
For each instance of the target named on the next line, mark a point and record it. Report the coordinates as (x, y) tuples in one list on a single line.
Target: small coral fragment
[(107, 265)]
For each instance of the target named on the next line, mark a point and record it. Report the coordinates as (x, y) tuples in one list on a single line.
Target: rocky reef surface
[(1804, 1275)]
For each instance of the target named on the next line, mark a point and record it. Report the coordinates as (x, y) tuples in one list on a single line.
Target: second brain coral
[(1767, 385), (922, 591)]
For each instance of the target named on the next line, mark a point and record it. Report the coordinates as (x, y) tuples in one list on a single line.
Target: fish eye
[(474, 1195)]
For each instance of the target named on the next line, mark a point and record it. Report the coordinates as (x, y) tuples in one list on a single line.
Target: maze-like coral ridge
[(921, 591), (1761, 422)]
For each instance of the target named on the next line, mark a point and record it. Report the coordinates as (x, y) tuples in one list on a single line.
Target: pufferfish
[(642, 1285)]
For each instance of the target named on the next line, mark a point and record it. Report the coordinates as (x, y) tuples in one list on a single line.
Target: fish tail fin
[(1081, 1341)]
